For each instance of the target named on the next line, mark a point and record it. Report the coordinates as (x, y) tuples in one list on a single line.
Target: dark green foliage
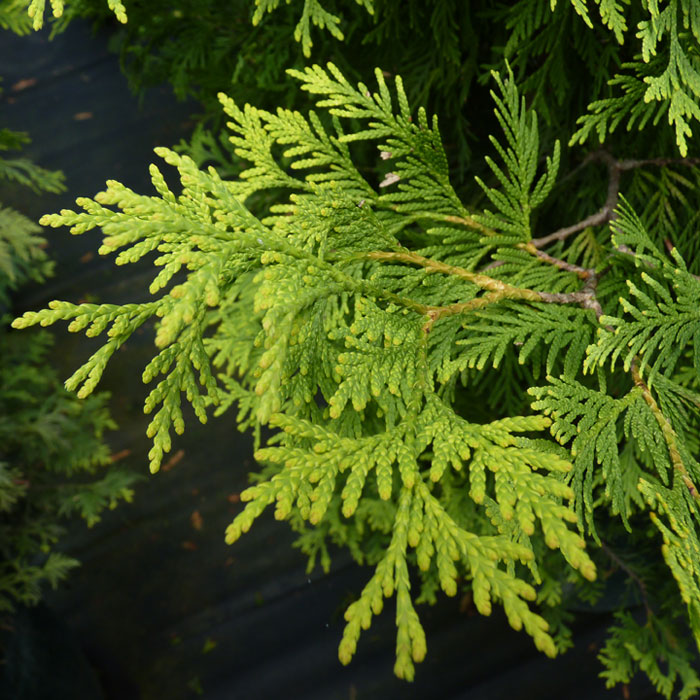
[(632, 644), (51, 444), (203, 47), (633, 63), (21, 254)]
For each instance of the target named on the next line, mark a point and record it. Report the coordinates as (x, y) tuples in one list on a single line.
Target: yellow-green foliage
[(355, 313)]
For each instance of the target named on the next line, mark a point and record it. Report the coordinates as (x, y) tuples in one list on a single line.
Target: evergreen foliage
[(351, 301), (203, 47), (607, 64), (661, 79), (51, 444), (21, 247), (408, 332), (37, 8)]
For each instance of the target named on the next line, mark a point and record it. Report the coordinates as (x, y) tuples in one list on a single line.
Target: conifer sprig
[(312, 13), (520, 193), (348, 312), (662, 79), (36, 9)]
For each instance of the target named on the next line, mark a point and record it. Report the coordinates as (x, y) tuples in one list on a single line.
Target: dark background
[(161, 607)]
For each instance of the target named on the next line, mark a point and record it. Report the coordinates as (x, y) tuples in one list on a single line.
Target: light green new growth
[(36, 9), (350, 314), (611, 15), (313, 13)]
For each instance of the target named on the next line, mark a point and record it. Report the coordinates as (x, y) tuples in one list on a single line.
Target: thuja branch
[(482, 281), (497, 289), (303, 305), (583, 273)]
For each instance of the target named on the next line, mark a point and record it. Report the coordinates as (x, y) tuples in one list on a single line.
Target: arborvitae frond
[(640, 59), (183, 311), (590, 422), (312, 476), (14, 17), (347, 307), (313, 12), (419, 164), (519, 194), (675, 514), (611, 15), (662, 79), (668, 206), (628, 108), (22, 257), (49, 441), (656, 648), (659, 325), (24, 171), (552, 50), (540, 334)]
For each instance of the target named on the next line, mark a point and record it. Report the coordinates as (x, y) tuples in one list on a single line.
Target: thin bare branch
[(583, 273), (607, 212)]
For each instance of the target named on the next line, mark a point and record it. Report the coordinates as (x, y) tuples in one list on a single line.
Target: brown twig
[(497, 289), (633, 163), (586, 297), (607, 212), (583, 273)]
